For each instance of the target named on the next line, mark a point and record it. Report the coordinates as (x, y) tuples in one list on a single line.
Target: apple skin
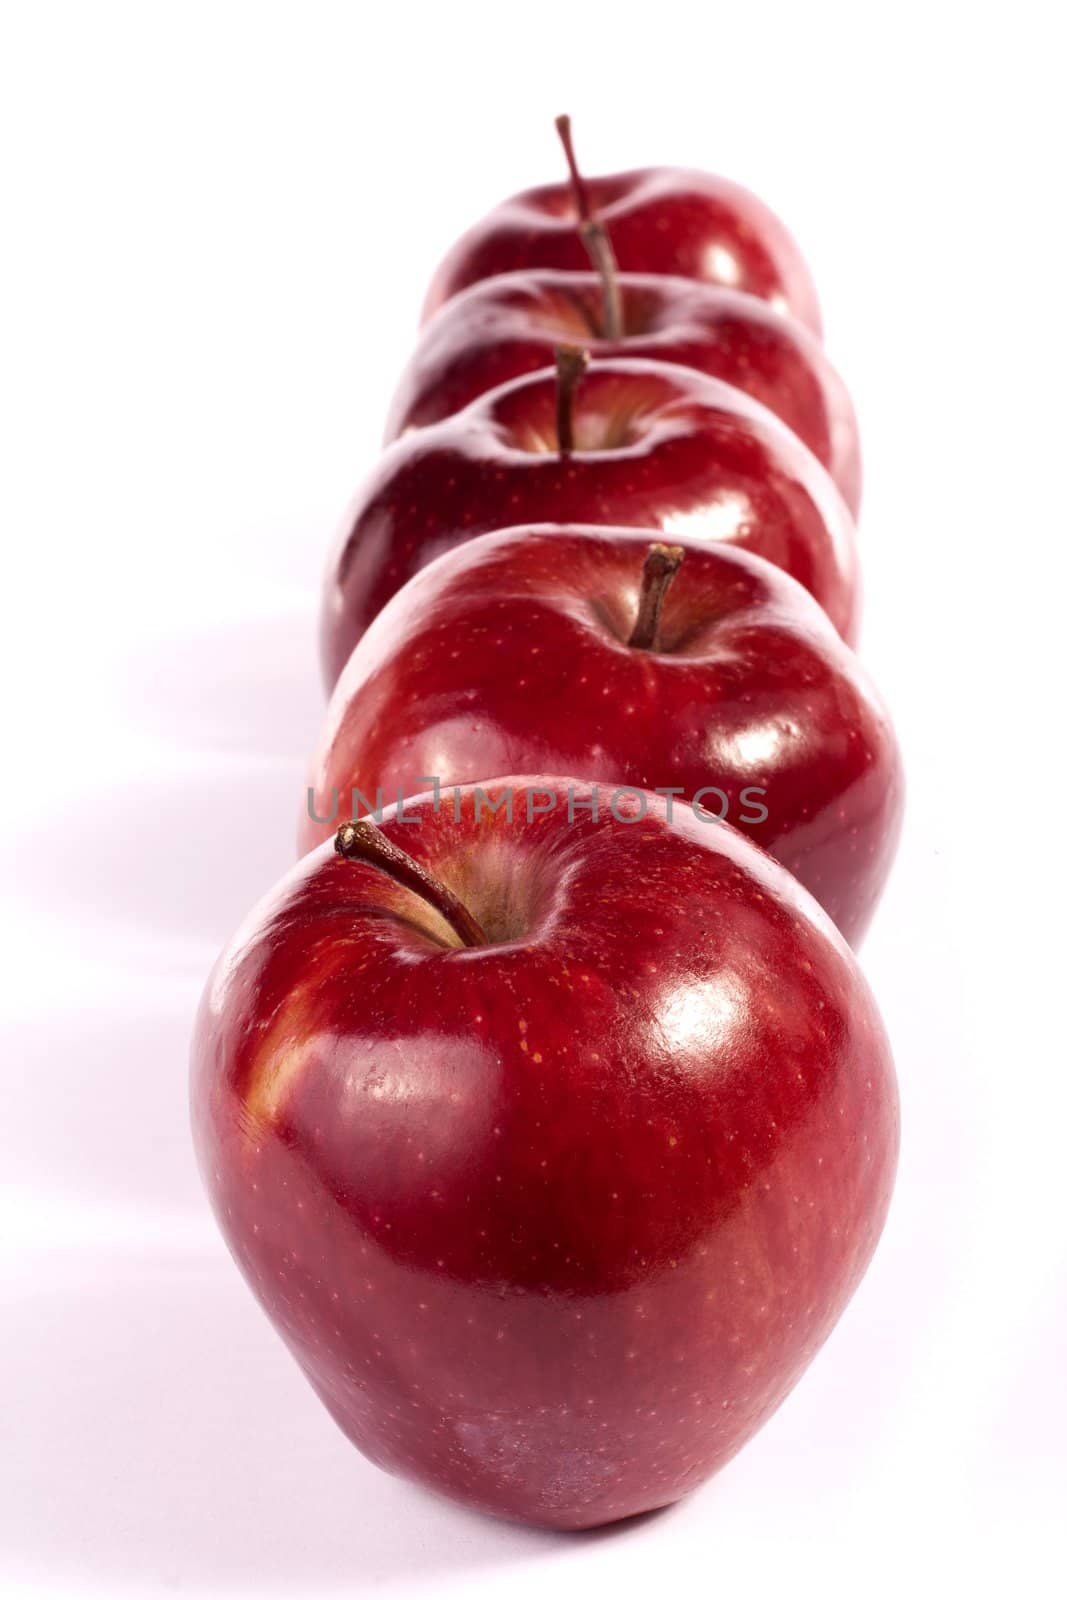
[(657, 446), (551, 1226), (510, 654), (664, 220), (503, 327)]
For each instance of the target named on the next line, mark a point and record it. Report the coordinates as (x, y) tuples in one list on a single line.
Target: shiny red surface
[(552, 1225), (510, 654), (657, 446), (506, 326), (660, 219)]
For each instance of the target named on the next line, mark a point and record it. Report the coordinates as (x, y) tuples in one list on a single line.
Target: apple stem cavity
[(571, 362), (362, 841), (596, 239), (657, 575)]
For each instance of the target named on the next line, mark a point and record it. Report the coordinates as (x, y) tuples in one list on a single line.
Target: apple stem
[(657, 575), (362, 841), (595, 237), (570, 364)]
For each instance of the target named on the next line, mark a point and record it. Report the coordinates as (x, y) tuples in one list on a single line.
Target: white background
[(219, 223)]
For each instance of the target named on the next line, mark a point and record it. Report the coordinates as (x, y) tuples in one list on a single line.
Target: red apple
[(646, 445), (503, 327), (591, 652), (659, 219), (553, 1153)]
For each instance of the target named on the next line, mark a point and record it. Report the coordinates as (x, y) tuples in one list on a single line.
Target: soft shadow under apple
[(165, 1436)]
